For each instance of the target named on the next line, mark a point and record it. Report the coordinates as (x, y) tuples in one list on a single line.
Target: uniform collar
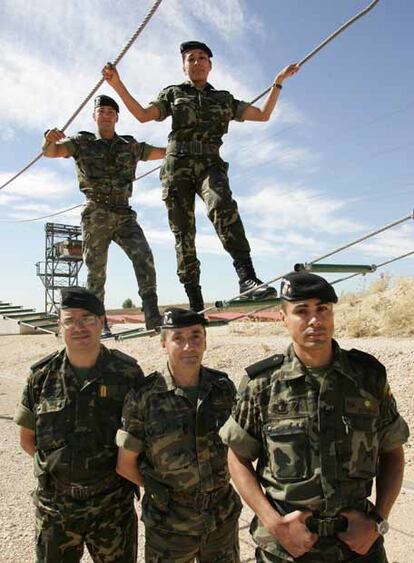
[(207, 86), (165, 381), (99, 138)]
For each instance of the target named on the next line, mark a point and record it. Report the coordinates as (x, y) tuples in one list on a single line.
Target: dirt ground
[(230, 349)]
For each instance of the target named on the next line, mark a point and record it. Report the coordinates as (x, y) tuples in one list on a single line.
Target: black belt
[(111, 200), (196, 148), (199, 499), (327, 525), (84, 492)]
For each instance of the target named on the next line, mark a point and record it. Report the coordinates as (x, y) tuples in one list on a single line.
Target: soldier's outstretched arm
[(157, 153), (252, 113), (51, 147), (289, 530), (27, 440), (150, 113), (127, 466)]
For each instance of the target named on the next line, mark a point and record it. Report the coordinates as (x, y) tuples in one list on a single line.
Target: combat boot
[(152, 315), (195, 297), (248, 281)]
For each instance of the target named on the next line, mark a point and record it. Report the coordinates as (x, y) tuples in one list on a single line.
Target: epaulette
[(364, 358), (268, 363), (44, 361), (217, 372), (124, 357), (126, 137)]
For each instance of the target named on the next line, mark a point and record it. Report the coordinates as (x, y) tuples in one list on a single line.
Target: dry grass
[(384, 309)]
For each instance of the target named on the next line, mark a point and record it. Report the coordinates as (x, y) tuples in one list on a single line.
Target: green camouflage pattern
[(106, 166), (278, 418), (106, 524), (100, 226), (75, 421), (219, 546), (331, 554), (183, 461), (202, 116), (183, 178)]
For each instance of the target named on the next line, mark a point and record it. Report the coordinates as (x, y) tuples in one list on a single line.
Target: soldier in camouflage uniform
[(69, 414), (105, 165), (169, 443), (322, 423), (200, 117)]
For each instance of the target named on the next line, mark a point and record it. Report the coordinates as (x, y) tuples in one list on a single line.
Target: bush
[(128, 304)]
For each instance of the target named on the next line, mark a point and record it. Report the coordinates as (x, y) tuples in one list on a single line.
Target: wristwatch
[(381, 523)]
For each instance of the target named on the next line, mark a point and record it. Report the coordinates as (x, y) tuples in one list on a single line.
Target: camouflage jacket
[(317, 439), (74, 420), (198, 115), (183, 461), (106, 166)]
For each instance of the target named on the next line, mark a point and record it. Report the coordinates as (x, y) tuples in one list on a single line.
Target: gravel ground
[(230, 349)]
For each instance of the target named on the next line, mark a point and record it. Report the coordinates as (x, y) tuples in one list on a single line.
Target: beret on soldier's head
[(297, 286), (180, 318), (190, 45), (76, 297), (106, 101)]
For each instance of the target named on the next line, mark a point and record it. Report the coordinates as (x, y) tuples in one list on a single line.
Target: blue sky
[(334, 162)]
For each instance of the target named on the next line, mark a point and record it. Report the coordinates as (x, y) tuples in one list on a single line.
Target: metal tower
[(63, 260)]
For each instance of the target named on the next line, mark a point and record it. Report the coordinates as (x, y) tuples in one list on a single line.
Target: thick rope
[(92, 92), (324, 43)]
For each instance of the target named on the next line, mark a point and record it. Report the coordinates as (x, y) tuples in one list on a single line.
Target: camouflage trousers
[(328, 551), (105, 523), (184, 177), (100, 226), (219, 546)]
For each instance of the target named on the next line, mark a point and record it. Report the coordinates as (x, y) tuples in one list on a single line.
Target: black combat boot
[(152, 315), (249, 282), (195, 297), (106, 331)]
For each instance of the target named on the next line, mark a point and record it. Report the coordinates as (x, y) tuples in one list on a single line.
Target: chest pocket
[(361, 437), (218, 112), (52, 423), (287, 443), (123, 160), (171, 443), (184, 112)]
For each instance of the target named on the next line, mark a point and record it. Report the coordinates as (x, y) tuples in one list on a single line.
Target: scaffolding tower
[(63, 261)]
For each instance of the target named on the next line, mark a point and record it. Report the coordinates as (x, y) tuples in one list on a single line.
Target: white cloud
[(38, 184)]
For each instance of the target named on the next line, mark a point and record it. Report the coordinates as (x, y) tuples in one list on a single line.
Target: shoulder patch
[(268, 363), (124, 357), (44, 361), (364, 358)]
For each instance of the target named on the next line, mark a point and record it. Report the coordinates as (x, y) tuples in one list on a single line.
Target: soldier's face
[(197, 65), (185, 347), (105, 117), (310, 323), (81, 330)]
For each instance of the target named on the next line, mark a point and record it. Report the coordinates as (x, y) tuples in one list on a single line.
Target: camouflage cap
[(180, 318), (190, 45), (305, 285), (76, 297), (106, 101)]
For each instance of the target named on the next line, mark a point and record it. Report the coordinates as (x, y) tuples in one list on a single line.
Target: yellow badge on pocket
[(103, 391)]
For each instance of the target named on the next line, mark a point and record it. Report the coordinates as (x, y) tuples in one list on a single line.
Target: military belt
[(195, 148), (199, 499), (84, 492), (111, 200), (327, 525)]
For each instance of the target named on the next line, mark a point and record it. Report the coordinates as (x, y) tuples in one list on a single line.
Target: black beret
[(179, 318), (190, 45), (305, 285), (80, 298), (106, 101)]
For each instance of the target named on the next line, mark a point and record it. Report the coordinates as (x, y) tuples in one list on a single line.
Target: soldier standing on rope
[(322, 423), (200, 118), (69, 414), (169, 443), (105, 164)]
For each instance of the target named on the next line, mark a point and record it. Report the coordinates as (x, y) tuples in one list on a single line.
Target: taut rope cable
[(92, 92), (325, 42), (377, 266)]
